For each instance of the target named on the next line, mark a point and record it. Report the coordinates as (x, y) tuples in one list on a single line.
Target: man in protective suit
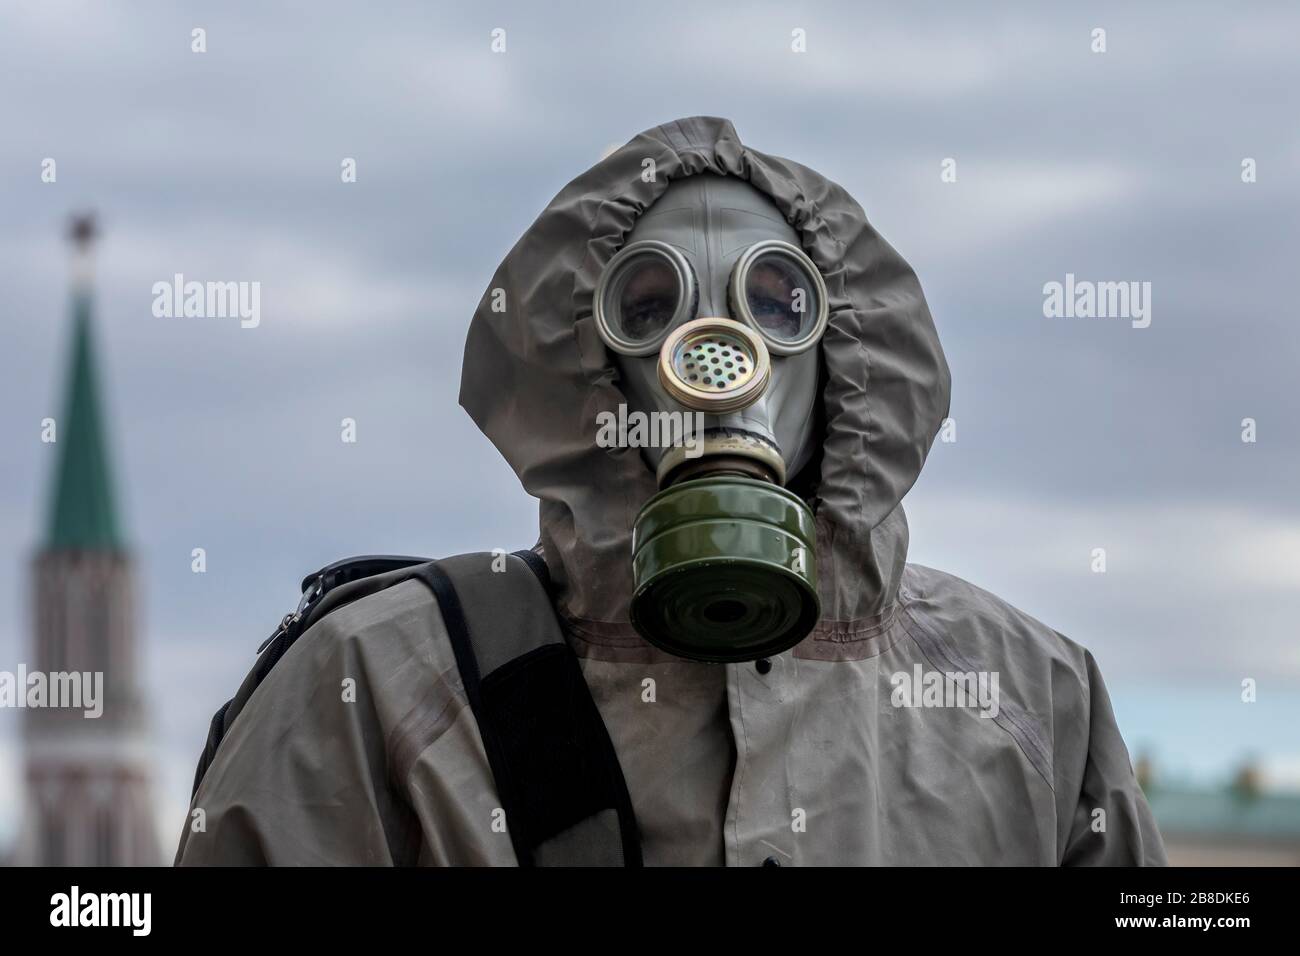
[(772, 683)]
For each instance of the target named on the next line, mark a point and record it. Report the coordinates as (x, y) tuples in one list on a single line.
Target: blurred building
[(1238, 825), (87, 779)]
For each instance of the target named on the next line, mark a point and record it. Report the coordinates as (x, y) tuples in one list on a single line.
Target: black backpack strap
[(537, 564), (564, 796)]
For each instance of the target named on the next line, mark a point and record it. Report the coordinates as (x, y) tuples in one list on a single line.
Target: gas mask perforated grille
[(714, 365), (713, 361)]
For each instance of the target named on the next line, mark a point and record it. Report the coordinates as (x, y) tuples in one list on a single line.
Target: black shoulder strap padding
[(555, 768)]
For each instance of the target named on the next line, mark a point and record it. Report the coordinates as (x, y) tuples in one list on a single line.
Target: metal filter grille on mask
[(713, 361), (714, 365)]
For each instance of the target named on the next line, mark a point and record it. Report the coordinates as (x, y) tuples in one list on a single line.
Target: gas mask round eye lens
[(644, 291), (776, 289)]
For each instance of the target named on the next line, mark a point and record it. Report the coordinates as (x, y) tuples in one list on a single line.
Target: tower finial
[(83, 230)]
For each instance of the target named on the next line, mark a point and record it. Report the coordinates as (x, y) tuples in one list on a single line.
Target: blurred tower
[(88, 791)]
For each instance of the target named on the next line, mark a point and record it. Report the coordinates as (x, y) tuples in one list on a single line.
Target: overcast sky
[(1072, 433)]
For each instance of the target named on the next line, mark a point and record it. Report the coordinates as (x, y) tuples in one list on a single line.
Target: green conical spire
[(83, 516)]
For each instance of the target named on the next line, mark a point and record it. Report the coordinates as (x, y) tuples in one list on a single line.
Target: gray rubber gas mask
[(715, 315)]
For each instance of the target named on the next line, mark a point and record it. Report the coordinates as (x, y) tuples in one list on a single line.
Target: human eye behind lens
[(774, 317), (646, 315)]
